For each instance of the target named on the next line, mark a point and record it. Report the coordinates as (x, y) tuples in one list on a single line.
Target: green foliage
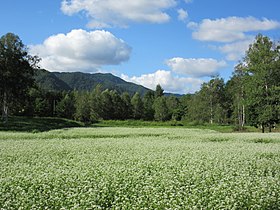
[(175, 109), (137, 106), (107, 105), (118, 106), (251, 96), (161, 109), (262, 87), (209, 104), (127, 106), (148, 102), (263, 140), (159, 91), (48, 81), (16, 72), (235, 92), (168, 124), (138, 168), (96, 104), (82, 105), (42, 103), (65, 81), (66, 106), (34, 124)]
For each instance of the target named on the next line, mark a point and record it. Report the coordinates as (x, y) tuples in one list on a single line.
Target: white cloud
[(182, 14), (195, 67), (106, 13), (235, 51), (169, 82), (230, 29), (80, 50)]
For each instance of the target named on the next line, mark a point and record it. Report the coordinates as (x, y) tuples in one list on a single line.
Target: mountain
[(48, 81), (55, 81)]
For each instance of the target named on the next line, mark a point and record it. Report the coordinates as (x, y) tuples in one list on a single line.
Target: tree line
[(251, 96), (98, 104)]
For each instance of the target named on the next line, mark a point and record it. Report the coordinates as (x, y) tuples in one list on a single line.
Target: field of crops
[(139, 168)]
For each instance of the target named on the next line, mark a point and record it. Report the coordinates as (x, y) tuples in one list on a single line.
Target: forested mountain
[(49, 81), (56, 81)]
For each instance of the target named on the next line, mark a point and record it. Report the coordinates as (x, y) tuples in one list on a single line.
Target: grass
[(139, 168), (31, 124), (140, 123)]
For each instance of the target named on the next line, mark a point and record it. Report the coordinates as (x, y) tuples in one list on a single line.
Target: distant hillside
[(48, 81), (55, 81)]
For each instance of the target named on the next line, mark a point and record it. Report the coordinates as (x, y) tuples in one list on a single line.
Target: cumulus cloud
[(236, 50), (195, 67), (80, 50), (230, 29), (108, 13), (182, 14), (167, 80)]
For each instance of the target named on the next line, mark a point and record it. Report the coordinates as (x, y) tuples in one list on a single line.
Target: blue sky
[(176, 43)]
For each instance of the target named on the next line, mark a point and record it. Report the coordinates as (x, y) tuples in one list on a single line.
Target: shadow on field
[(29, 124)]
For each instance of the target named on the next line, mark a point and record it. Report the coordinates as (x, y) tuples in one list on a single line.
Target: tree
[(185, 102), (198, 108), (148, 102), (45, 103), (118, 106), (42, 107), (161, 109), (208, 105), (82, 106), (95, 104), (175, 109), (235, 91), (127, 107), (66, 106), (16, 71), (137, 106), (261, 66), (216, 95), (159, 91), (107, 105)]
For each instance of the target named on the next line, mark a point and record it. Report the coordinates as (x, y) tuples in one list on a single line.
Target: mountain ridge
[(67, 81)]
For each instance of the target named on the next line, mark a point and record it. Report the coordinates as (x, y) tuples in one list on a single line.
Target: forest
[(250, 97)]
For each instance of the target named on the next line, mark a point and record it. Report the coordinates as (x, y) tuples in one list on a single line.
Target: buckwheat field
[(139, 168)]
